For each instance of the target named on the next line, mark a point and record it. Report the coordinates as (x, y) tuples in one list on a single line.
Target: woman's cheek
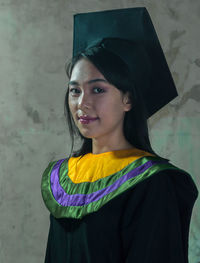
[(72, 105)]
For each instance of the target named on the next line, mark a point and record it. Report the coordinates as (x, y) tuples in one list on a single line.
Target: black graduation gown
[(149, 223)]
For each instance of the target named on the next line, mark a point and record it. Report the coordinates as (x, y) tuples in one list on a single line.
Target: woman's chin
[(87, 135)]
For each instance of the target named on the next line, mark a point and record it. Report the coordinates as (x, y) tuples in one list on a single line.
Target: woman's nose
[(84, 101)]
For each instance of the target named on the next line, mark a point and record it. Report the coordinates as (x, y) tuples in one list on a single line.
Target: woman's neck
[(96, 149)]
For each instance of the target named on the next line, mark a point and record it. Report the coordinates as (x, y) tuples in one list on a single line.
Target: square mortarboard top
[(134, 25)]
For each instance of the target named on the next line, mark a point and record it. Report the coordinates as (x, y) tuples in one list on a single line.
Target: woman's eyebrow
[(73, 82)]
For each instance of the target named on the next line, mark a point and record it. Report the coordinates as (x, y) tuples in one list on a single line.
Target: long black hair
[(116, 72)]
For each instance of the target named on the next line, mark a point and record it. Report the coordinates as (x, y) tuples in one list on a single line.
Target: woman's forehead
[(85, 71)]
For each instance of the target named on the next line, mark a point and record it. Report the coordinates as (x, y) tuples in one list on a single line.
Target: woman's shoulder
[(52, 164), (166, 180)]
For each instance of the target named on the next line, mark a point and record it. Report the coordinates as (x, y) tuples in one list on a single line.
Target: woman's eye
[(73, 89), (99, 90)]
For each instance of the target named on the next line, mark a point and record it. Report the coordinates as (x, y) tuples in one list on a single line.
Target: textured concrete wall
[(35, 41)]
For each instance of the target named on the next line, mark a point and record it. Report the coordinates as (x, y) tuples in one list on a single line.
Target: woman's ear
[(127, 102)]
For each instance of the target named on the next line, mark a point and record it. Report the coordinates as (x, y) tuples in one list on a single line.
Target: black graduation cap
[(130, 34)]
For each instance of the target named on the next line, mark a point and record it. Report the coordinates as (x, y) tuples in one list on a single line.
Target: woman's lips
[(87, 120)]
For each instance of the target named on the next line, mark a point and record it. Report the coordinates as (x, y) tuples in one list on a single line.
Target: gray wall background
[(35, 41)]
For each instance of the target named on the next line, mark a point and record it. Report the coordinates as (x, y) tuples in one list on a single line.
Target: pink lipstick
[(86, 120)]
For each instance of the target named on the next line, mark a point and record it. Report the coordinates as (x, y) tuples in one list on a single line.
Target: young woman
[(115, 199)]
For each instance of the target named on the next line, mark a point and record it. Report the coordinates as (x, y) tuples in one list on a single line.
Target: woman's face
[(92, 95)]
